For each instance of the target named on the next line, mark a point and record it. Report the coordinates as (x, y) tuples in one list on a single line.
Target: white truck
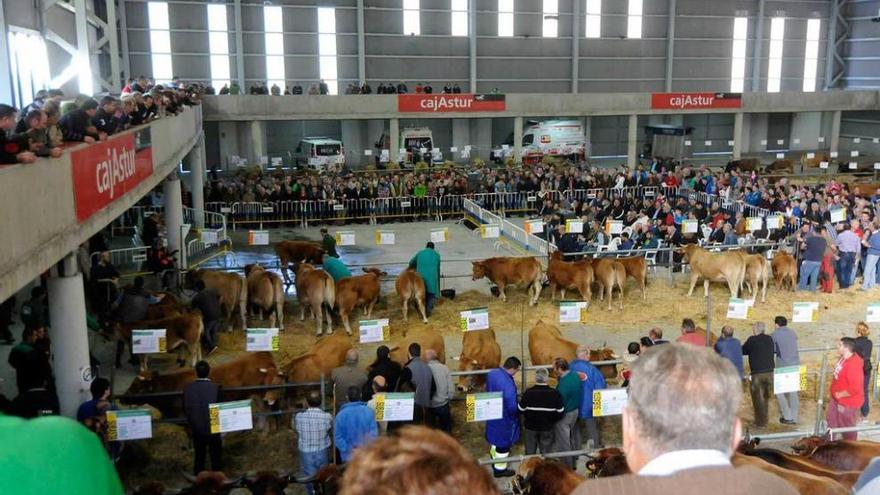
[(563, 138), (416, 144), (319, 153)]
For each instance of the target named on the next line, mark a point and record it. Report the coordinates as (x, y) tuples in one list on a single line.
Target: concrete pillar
[(227, 143), (352, 138), (196, 162), (757, 132), (257, 130), (517, 139), (834, 139), (588, 133), (70, 342), (737, 135), (461, 137), (481, 138), (174, 217), (394, 140), (632, 142), (806, 127)]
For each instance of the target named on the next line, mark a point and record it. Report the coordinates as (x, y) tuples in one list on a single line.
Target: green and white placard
[(805, 312), (374, 331), (345, 238), (231, 416), (395, 407), (789, 379), (148, 341), (490, 231), (474, 319), (574, 226), (385, 237), (262, 339), (609, 401), (485, 406), (573, 311), (129, 424), (739, 309), (439, 235)]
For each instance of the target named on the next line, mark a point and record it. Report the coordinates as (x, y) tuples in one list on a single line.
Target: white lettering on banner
[(691, 100), (443, 102), (116, 169)]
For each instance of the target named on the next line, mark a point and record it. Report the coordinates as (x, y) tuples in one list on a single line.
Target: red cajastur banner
[(450, 103), (103, 172), (682, 101)]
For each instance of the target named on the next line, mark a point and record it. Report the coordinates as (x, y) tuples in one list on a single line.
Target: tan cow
[(362, 290), (427, 338), (506, 271), (780, 166), (411, 286), (570, 275), (714, 267), (609, 272), (183, 333), (231, 287), (265, 293), (479, 351), (315, 289), (784, 270), (294, 252), (327, 353), (546, 343), (757, 271), (814, 162), (637, 268)]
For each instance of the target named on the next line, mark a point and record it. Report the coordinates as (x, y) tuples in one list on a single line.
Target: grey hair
[(542, 375), (760, 327), (352, 356), (684, 397)]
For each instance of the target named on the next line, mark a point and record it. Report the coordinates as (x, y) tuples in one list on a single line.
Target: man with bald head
[(439, 414), (347, 376), (378, 385)]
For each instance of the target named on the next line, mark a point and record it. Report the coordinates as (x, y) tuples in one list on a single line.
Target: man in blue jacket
[(730, 348), (591, 379), (504, 432), (355, 424)]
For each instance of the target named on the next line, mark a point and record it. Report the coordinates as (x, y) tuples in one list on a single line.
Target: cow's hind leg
[(404, 303), (319, 317), (420, 303)]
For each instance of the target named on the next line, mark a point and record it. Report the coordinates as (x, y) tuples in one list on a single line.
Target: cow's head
[(688, 250), (556, 256), (479, 270), (748, 444), (272, 376), (607, 462), (468, 383), (143, 383), (210, 483), (375, 271), (150, 488), (808, 445), (268, 483)]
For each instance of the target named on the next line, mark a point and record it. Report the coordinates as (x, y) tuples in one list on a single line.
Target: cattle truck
[(556, 138), (416, 144)]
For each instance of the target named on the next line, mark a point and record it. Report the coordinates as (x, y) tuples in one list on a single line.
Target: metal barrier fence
[(125, 259)]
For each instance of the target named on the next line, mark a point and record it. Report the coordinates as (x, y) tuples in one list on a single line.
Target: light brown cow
[(327, 353), (757, 272), (609, 272), (315, 289), (546, 343), (479, 351), (714, 267), (814, 162), (570, 275), (780, 166), (231, 287), (294, 252), (427, 338), (183, 333), (806, 484), (265, 294), (637, 268), (411, 286), (784, 270), (362, 290), (797, 463), (847, 455), (506, 271)]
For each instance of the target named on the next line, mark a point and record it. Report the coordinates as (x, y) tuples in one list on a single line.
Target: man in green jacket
[(427, 263), (335, 268), (328, 242), (568, 436)]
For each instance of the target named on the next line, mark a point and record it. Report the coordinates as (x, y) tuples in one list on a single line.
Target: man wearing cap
[(427, 263), (541, 407)]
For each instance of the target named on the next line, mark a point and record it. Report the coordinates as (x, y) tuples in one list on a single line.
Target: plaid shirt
[(313, 429)]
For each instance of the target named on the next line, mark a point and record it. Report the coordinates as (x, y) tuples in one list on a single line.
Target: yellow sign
[(380, 406), (471, 403), (803, 372)]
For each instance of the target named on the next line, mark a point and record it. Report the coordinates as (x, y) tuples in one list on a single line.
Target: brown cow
[(538, 476), (569, 275), (637, 268), (295, 252), (210, 483), (169, 305), (479, 351), (609, 272), (798, 463), (427, 338), (231, 287), (757, 272), (327, 353), (265, 294), (744, 165), (411, 286), (843, 455), (505, 271), (804, 483), (315, 289), (183, 332), (714, 267), (814, 162), (546, 343), (362, 290), (607, 463), (780, 166), (784, 270)]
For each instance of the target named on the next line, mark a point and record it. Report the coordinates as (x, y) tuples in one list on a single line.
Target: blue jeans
[(312, 462), (845, 268), (809, 274), (430, 299), (866, 406), (869, 277)]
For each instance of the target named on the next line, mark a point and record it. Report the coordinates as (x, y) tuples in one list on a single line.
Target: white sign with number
[(439, 235), (789, 379), (837, 215), (148, 341), (368, 152), (708, 143), (873, 313), (805, 312), (687, 142), (739, 309), (614, 227), (490, 231), (574, 226), (823, 164), (689, 226), (129, 424), (609, 401), (262, 339), (485, 406), (573, 311), (231, 416), (395, 407), (833, 154), (345, 238), (853, 165), (780, 156), (774, 222), (258, 238), (474, 319), (374, 331), (534, 226), (754, 223), (810, 156), (385, 237)]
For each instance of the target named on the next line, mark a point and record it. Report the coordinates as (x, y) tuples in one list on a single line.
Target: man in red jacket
[(847, 388)]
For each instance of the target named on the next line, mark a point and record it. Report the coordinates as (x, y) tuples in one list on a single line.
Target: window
[(459, 17), (274, 32), (218, 45), (327, 48), (774, 66), (411, 23), (811, 54), (594, 18), (551, 19), (505, 18), (160, 41), (738, 56), (634, 19), (30, 66)]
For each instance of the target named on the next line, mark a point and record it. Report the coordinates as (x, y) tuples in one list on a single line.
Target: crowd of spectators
[(321, 88)]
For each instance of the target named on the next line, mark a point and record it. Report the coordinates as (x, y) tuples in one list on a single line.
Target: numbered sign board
[(609, 401), (148, 341), (439, 235), (485, 406), (873, 313), (374, 331), (258, 238), (209, 236), (774, 222), (130, 424), (837, 215), (395, 407), (613, 227), (805, 312), (739, 309), (345, 238), (574, 226), (754, 223), (689, 226), (385, 237), (231, 416), (789, 379), (490, 231), (474, 319), (534, 226), (573, 311), (262, 339)]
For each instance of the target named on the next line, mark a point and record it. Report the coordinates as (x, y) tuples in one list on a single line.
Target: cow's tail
[(195, 349), (329, 291), (278, 289), (242, 302)]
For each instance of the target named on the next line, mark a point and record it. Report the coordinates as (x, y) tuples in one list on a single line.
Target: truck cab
[(319, 153)]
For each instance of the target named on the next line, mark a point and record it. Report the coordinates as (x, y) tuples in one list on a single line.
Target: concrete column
[(352, 138), (632, 142), (461, 137), (239, 47), (196, 161), (757, 132), (70, 342), (806, 127), (737, 135), (472, 45), (517, 139), (5, 67), (394, 140), (670, 44), (834, 139), (588, 139), (257, 130), (481, 138), (576, 44), (174, 217), (758, 53)]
